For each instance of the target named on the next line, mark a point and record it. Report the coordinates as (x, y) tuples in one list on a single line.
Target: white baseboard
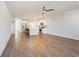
[(65, 36)]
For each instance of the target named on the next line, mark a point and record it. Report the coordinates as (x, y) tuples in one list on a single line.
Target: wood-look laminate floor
[(44, 45)]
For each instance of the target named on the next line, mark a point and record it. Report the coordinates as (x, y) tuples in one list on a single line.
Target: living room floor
[(42, 45)]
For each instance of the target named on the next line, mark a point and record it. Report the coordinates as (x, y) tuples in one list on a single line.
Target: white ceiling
[(30, 9)]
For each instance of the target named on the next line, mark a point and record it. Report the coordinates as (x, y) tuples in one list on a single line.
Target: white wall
[(71, 23), (5, 31), (13, 28), (13, 25), (64, 24)]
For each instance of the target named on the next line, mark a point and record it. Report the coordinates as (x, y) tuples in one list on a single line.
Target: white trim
[(62, 35)]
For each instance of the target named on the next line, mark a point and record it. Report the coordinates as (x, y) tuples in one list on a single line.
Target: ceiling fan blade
[(49, 10), (44, 10)]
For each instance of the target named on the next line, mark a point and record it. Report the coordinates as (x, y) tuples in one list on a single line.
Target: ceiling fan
[(44, 10)]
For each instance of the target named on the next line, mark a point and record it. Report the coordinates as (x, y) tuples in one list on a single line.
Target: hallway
[(44, 45), (58, 22)]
